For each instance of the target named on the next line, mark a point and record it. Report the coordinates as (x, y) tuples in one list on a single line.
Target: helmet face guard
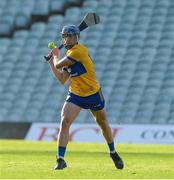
[(65, 35)]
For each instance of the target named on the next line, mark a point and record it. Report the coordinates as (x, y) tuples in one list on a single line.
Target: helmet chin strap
[(67, 46)]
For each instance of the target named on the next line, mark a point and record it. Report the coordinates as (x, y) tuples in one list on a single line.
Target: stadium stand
[(132, 48)]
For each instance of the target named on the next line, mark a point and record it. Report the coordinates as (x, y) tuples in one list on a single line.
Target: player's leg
[(68, 115), (101, 119)]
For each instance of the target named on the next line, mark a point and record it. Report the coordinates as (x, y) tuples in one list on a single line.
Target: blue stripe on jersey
[(71, 59), (76, 69)]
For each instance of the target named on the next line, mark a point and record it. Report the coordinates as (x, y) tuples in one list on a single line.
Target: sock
[(61, 152), (111, 147)]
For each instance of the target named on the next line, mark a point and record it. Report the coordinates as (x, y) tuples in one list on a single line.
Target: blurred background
[(132, 49)]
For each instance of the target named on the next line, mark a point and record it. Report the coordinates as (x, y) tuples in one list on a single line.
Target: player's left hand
[(55, 52), (51, 59)]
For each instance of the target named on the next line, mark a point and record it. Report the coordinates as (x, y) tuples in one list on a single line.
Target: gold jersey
[(82, 74)]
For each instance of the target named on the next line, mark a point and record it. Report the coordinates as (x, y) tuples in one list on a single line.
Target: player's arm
[(60, 74), (64, 62), (60, 63)]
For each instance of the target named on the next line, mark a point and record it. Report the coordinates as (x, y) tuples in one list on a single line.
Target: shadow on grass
[(82, 153)]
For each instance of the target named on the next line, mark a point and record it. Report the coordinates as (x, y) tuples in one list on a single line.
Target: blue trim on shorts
[(93, 102)]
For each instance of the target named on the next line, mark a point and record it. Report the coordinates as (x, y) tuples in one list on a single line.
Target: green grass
[(35, 160)]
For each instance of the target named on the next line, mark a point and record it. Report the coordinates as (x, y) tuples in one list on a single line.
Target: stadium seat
[(57, 6), (22, 20), (41, 8)]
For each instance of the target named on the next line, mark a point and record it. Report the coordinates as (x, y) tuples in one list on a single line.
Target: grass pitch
[(35, 160)]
